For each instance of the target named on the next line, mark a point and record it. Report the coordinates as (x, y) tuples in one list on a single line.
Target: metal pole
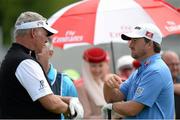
[(113, 57)]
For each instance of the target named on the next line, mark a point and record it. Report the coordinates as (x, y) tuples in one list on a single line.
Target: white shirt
[(31, 76)]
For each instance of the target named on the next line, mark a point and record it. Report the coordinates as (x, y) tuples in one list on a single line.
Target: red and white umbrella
[(103, 21)]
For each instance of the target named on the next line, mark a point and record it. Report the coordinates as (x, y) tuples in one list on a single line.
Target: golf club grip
[(109, 114)]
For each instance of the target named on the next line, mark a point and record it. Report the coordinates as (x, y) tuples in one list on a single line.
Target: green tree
[(11, 9)]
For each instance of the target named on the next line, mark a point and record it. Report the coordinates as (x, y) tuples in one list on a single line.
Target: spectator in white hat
[(149, 91), (125, 66)]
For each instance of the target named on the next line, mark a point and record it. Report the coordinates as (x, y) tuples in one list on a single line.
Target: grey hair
[(26, 17)]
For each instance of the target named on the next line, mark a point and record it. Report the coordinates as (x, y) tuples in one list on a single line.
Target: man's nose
[(130, 43)]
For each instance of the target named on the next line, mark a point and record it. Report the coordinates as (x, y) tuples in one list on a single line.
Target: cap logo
[(138, 28), (40, 23), (149, 34)]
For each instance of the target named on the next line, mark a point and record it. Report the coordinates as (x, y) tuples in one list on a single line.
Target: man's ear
[(150, 44), (33, 33)]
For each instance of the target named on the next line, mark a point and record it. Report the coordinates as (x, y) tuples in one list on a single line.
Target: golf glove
[(105, 109), (76, 108)]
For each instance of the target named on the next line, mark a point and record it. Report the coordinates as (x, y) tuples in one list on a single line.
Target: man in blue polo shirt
[(148, 93)]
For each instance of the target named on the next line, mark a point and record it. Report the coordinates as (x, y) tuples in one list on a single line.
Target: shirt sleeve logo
[(41, 84), (139, 91)]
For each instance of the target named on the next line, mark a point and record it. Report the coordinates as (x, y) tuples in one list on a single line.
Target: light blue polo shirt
[(67, 86), (151, 85)]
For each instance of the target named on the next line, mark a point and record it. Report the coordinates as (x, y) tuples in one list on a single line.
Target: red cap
[(95, 55)]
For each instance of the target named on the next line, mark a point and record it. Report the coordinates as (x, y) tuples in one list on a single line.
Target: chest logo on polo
[(139, 91)]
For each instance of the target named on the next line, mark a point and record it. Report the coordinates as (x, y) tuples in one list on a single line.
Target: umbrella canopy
[(103, 21)]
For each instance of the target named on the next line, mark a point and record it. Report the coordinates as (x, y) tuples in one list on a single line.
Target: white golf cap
[(37, 24), (125, 62), (147, 30)]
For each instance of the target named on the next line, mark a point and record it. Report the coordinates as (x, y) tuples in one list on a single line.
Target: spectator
[(90, 88), (148, 93), (173, 62), (24, 89), (125, 66), (61, 84)]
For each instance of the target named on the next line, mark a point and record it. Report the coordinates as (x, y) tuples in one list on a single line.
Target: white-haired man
[(24, 89)]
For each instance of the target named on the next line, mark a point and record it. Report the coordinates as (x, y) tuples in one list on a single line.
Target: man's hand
[(105, 109), (113, 81), (76, 108)]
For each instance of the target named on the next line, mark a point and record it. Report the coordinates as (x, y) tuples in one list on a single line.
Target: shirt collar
[(52, 74), (150, 59), (17, 45), (26, 50)]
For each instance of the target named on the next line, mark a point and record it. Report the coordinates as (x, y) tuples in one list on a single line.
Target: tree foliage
[(11, 9)]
